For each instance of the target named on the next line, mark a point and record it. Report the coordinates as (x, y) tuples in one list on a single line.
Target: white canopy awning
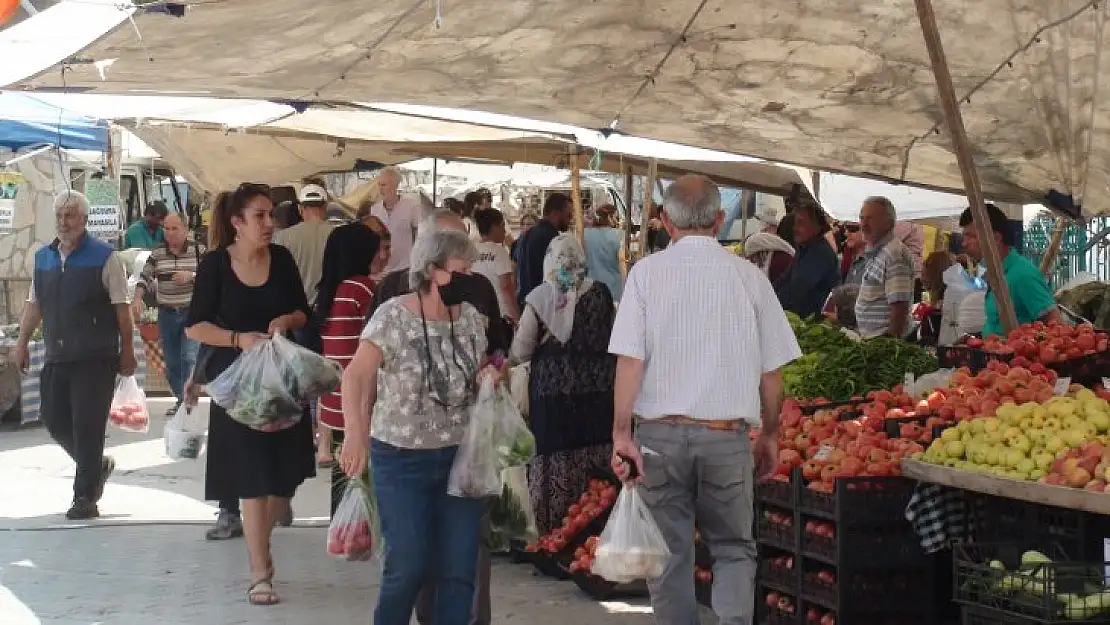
[(840, 85)]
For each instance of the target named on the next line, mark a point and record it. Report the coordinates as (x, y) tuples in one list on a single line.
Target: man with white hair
[(79, 294), (401, 216), (886, 285), (701, 341)]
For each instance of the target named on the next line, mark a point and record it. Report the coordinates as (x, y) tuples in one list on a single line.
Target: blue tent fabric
[(28, 122)]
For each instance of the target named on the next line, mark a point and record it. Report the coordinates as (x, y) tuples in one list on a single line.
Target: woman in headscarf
[(564, 332), (342, 299), (770, 253)]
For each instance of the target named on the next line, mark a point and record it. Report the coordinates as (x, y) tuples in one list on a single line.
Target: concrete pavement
[(146, 561)]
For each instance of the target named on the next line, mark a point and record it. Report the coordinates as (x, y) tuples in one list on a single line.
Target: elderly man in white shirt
[(400, 214), (701, 340)]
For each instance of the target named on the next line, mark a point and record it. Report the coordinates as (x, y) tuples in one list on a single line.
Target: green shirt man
[(1029, 292), (147, 233)]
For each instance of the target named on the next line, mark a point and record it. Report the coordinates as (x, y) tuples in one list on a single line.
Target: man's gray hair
[(72, 198), (692, 203), (435, 249), (887, 205), (391, 171)]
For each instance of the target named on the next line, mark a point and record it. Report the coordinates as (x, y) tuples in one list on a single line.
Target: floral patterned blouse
[(418, 407)]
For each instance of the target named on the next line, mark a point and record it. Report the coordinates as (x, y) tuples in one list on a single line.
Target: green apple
[(1054, 445), (1020, 443), (950, 435), (1044, 460), (954, 449)]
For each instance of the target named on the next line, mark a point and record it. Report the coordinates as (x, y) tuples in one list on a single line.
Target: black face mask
[(456, 291)]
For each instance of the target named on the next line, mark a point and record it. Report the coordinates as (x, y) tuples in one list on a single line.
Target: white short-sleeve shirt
[(401, 222), (707, 325), (494, 262)]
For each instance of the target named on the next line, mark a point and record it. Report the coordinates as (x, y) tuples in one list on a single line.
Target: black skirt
[(246, 464)]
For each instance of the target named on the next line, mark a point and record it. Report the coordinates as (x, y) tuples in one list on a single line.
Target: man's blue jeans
[(428, 534), (178, 351)]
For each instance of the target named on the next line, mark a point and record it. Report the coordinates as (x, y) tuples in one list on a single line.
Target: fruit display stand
[(1033, 492)]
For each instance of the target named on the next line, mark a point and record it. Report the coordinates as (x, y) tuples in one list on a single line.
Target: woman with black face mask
[(425, 351)]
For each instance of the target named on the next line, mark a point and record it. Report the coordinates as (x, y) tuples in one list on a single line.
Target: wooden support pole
[(955, 123), (1054, 246), (576, 196), (649, 204), (628, 212)]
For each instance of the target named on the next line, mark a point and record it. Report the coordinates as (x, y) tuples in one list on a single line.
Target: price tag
[(907, 382), (1062, 385), (1106, 383), (823, 453)]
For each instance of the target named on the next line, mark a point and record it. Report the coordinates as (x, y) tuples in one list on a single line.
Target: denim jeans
[(428, 534), (694, 474), (178, 351)]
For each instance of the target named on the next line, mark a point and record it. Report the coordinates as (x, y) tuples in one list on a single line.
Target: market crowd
[(659, 372)]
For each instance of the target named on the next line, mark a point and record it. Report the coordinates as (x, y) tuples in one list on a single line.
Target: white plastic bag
[(354, 533), (496, 438), (475, 472), (185, 435), (128, 411), (972, 314), (631, 547), (268, 384)]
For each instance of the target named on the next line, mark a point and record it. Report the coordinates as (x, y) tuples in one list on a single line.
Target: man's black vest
[(78, 318)]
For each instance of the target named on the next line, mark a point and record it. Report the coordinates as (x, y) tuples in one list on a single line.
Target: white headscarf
[(564, 279), (766, 242)]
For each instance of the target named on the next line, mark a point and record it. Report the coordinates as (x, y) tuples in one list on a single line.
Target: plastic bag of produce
[(268, 384), (518, 386), (185, 435), (514, 442), (355, 531), (511, 515), (476, 470), (631, 547), (128, 411)]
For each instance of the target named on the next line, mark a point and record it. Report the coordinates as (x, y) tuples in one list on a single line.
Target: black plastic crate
[(874, 593), (998, 519), (771, 615), (956, 356), (777, 492), (1085, 370), (703, 592), (776, 527), (887, 545), (859, 500), (992, 576), (779, 576), (601, 589)]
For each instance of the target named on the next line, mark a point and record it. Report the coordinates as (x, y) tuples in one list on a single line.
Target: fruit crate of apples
[(1001, 583), (902, 594), (1077, 352), (554, 552), (778, 608)]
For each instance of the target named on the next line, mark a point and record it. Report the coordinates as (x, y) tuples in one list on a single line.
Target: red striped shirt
[(341, 334)]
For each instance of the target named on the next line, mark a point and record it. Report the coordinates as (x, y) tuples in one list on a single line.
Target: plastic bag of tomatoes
[(128, 410), (355, 531)]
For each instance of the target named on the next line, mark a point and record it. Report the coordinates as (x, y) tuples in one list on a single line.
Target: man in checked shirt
[(700, 339)]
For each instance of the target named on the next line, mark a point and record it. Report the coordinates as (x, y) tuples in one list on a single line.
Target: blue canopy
[(26, 121)]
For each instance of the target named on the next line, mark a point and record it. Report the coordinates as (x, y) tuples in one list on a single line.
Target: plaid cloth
[(31, 399), (939, 515)]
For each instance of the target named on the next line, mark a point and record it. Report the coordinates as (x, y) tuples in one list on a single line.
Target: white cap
[(313, 193)]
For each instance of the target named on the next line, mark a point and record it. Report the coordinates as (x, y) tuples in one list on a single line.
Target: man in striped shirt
[(886, 287), (169, 273)]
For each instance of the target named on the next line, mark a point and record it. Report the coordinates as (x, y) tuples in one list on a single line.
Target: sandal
[(262, 593)]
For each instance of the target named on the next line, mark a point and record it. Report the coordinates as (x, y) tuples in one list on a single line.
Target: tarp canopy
[(838, 85), (27, 122)]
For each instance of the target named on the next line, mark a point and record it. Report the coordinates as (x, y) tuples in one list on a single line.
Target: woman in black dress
[(246, 291), (564, 332)]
